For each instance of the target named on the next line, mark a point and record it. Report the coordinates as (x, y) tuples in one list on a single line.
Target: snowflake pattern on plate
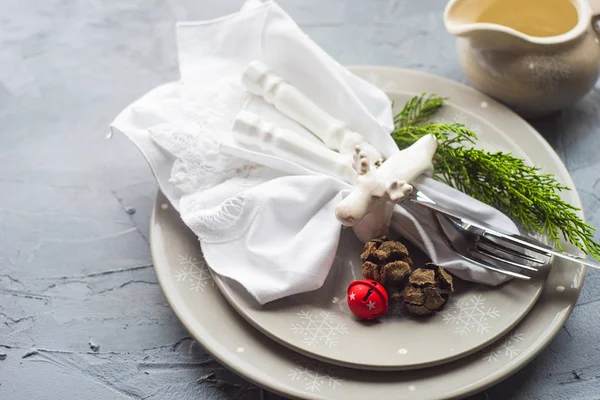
[(547, 71), (314, 374), (471, 315), (507, 347), (322, 328), (193, 271), (462, 118)]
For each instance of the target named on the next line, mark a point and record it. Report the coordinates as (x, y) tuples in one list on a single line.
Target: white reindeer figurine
[(370, 205), (378, 184)]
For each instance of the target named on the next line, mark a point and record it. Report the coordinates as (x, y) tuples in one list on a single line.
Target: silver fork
[(488, 244)]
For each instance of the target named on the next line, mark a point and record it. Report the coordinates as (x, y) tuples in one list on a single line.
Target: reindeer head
[(370, 191)]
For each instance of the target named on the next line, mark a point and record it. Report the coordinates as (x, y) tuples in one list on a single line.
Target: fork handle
[(259, 79)]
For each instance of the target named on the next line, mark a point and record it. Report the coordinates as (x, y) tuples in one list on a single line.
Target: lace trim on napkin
[(217, 207), (225, 222), (226, 211), (199, 165)]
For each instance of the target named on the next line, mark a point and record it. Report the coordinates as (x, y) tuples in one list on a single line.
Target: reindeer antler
[(361, 161), (398, 190)]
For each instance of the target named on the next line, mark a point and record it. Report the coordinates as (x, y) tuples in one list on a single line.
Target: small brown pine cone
[(443, 278), (367, 254), (434, 300), (388, 262), (370, 270), (414, 300), (395, 274), (391, 251), (422, 278), (414, 296), (428, 290)]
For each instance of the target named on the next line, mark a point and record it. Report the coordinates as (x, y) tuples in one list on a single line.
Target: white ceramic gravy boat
[(536, 56)]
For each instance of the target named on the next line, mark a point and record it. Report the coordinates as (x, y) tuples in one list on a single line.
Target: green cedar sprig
[(499, 179)]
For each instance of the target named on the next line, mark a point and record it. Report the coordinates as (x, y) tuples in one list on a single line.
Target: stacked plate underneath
[(311, 346)]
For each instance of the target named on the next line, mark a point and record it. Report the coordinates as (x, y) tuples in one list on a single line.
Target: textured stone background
[(75, 267)]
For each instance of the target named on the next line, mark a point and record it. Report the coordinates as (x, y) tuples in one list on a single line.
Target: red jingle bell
[(367, 299)]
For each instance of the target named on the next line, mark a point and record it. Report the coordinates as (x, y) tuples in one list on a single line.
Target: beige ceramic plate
[(319, 324), (189, 288)]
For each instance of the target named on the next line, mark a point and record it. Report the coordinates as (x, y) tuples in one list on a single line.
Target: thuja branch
[(499, 179)]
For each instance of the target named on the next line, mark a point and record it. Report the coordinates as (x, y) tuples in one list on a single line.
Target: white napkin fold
[(264, 221)]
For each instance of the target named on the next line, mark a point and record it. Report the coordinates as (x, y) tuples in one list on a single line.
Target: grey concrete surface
[(81, 314)]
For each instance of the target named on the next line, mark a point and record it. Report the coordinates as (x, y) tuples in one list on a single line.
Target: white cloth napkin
[(264, 221)]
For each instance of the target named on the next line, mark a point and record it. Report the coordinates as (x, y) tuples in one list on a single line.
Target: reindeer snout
[(344, 215), (351, 210)]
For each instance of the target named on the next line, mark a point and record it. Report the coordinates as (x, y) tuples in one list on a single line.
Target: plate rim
[(212, 346)]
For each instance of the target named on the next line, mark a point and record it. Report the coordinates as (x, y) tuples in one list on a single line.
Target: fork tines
[(493, 255)]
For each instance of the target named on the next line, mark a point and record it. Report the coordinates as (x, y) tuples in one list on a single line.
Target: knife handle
[(254, 133)]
